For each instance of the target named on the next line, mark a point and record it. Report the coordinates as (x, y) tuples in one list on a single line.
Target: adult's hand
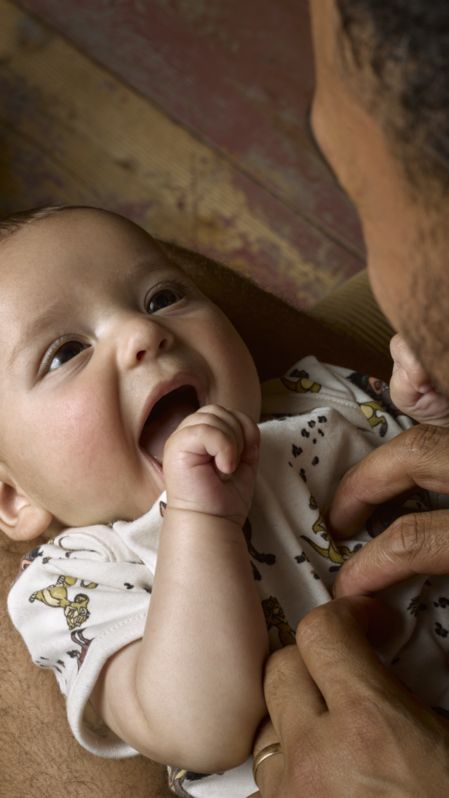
[(346, 726), (414, 543)]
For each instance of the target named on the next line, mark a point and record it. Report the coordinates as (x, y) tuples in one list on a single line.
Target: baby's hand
[(411, 389), (210, 463)]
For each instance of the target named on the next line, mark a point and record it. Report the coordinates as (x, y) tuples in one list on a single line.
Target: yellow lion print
[(301, 383), (56, 596), (336, 555), (275, 619), (319, 526), (374, 416)]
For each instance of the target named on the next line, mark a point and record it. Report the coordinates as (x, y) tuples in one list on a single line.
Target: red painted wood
[(239, 75), (36, 169)]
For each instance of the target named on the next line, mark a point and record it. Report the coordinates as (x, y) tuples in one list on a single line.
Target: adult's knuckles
[(320, 624), (423, 441), (414, 538), (333, 628)]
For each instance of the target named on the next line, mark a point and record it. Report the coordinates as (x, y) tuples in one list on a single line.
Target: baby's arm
[(190, 692), (411, 389)]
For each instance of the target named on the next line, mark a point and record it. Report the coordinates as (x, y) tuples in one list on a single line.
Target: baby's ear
[(20, 517)]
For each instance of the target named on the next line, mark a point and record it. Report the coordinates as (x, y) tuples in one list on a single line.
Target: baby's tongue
[(164, 418)]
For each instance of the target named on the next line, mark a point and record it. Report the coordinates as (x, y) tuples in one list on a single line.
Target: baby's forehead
[(59, 270), (63, 221), (72, 260), (73, 236)]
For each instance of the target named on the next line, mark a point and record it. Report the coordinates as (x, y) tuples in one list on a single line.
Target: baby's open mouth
[(164, 417)]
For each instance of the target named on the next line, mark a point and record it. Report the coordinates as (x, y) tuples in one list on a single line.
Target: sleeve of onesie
[(78, 600)]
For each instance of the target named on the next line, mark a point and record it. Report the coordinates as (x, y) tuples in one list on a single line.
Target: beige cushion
[(352, 310)]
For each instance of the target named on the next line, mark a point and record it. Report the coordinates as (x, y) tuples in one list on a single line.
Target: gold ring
[(265, 753)]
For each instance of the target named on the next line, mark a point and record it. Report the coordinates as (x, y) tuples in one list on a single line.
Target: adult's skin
[(346, 726), (366, 738)]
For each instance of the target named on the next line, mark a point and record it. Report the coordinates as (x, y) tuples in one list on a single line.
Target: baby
[(130, 441)]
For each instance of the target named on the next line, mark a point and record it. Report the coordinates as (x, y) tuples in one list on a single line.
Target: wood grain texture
[(72, 132), (239, 75)]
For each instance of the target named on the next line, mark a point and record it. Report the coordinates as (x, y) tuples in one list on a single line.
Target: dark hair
[(405, 45), (15, 221)]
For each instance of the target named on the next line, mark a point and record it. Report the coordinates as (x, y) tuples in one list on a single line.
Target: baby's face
[(104, 347)]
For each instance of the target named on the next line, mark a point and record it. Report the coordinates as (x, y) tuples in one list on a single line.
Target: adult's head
[(381, 118)]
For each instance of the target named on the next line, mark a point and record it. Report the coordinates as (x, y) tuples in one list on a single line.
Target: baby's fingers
[(251, 439), (411, 389), (409, 382), (402, 391), (408, 367), (220, 434), (247, 438)]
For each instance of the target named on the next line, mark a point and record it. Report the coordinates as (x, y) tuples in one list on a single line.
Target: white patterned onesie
[(85, 595)]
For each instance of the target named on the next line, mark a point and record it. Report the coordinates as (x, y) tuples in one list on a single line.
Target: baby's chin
[(127, 514)]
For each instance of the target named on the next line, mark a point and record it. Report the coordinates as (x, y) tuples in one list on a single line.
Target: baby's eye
[(65, 352), (163, 297)]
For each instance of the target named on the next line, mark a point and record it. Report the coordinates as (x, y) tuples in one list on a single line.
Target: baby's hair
[(15, 221)]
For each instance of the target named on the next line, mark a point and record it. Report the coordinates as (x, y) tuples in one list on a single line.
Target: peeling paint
[(76, 134)]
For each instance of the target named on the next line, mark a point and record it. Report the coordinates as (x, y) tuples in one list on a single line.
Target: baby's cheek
[(76, 430), (75, 446)]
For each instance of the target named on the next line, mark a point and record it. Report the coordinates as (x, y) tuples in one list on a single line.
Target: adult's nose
[(140, 338)]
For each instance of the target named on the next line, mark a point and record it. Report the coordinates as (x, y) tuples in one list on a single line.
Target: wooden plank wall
[(189, 117)]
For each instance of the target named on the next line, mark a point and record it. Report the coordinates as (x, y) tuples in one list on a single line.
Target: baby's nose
[(142, 338)]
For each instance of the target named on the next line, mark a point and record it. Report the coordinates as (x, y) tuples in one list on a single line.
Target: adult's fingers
[(417, 457), (334, 642), (266, 735), (332, 663), (269, 772), (414, 544), (337, 636), (291, 695), (293, 702)]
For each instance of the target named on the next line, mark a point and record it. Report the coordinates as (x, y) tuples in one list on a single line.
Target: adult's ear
[(20, 517)]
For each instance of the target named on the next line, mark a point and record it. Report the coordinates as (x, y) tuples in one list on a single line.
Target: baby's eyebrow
[(150, 267)]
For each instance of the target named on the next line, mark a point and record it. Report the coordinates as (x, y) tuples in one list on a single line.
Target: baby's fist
[(210, 463), (411, 389)]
